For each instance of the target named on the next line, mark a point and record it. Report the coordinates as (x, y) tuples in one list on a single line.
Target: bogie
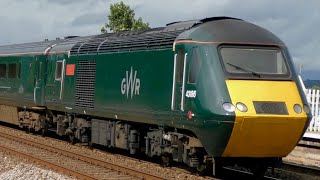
[(154, 142)]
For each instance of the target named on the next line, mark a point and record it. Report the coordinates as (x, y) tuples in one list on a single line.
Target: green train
[(208, 93)]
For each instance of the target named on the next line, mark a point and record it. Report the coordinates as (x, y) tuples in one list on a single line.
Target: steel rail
[(108, 165), (298, 168), (45, 163)]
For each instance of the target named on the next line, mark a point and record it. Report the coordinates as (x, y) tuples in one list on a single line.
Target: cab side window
[(3, 70), (194, 67), (58, 71), (180, 64)]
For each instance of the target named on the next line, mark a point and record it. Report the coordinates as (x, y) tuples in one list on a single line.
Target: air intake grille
[(127, 41), (86, 76), (270, 108)]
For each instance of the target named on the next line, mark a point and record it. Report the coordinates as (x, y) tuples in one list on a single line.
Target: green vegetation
[(315, 87), (121, 18), (313, 84)]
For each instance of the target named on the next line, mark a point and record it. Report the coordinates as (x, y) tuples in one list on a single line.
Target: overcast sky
[(296, 22)]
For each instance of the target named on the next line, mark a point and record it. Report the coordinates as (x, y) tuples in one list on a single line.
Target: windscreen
[(259, 62)]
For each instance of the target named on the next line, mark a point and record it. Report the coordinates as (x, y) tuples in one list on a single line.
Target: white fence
[(313, 99), (312, 96)]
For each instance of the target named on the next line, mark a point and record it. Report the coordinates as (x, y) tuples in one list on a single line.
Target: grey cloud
[(295, 22), (65, 2), (19, 30), (89, 19)]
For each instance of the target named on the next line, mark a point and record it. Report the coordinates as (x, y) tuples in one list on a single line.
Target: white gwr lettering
[(130, 84)]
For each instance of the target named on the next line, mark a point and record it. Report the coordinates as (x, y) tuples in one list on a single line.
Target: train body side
[(28, 77), (20, 74), (131, 86)]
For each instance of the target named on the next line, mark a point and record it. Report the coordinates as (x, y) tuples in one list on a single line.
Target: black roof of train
[(218, 28), (231, 31), (40, 47)]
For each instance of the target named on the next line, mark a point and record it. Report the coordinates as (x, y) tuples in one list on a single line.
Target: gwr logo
[(130, 83)]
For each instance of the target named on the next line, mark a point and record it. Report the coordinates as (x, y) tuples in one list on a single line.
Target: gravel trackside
[(12, 168), (145, 166)]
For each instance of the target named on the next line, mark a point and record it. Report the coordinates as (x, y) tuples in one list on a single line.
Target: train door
[(27, 79), (191, 78), (55, 78), (59, 77), (39, 80), (179, 73)]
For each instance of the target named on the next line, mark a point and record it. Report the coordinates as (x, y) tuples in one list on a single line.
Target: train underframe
[(170, 144)]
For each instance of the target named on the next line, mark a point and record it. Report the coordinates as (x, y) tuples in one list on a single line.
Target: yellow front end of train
[(273, 122), (269, 105)]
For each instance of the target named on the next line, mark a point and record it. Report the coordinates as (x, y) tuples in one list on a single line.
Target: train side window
[(40, 70), (180, 64), (3, 70), (12, 73), (58, 71), (194, 67), (19, 71)]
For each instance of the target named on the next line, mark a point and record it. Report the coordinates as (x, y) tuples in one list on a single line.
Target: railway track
[(68, 162), (150, 168), (83, 166), (232, 173), (305, 153), (287, 171), (300, 169)]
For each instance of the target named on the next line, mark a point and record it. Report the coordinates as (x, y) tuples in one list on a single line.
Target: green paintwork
[(153, 104), (212, 92), (52, 85), (9, 86), (21, 89)]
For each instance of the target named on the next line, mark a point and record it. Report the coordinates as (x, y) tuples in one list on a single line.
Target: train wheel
[(31, 130), (44, 132), (166, 159), (204, 169), (72, 138), (27, 130), (201, 169), (91, 145), (259, 171)]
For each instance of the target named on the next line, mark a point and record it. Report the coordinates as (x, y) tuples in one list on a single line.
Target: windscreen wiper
[(245, 70)]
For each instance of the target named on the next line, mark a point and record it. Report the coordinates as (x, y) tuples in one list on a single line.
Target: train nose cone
[(270, 127), (264, 136)]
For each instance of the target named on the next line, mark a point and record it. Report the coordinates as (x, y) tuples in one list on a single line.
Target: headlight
[(229, 107), (297, 108), (242, 107), (306, 108)]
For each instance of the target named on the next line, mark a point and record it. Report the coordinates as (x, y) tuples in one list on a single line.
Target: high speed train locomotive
[(208, 92)]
